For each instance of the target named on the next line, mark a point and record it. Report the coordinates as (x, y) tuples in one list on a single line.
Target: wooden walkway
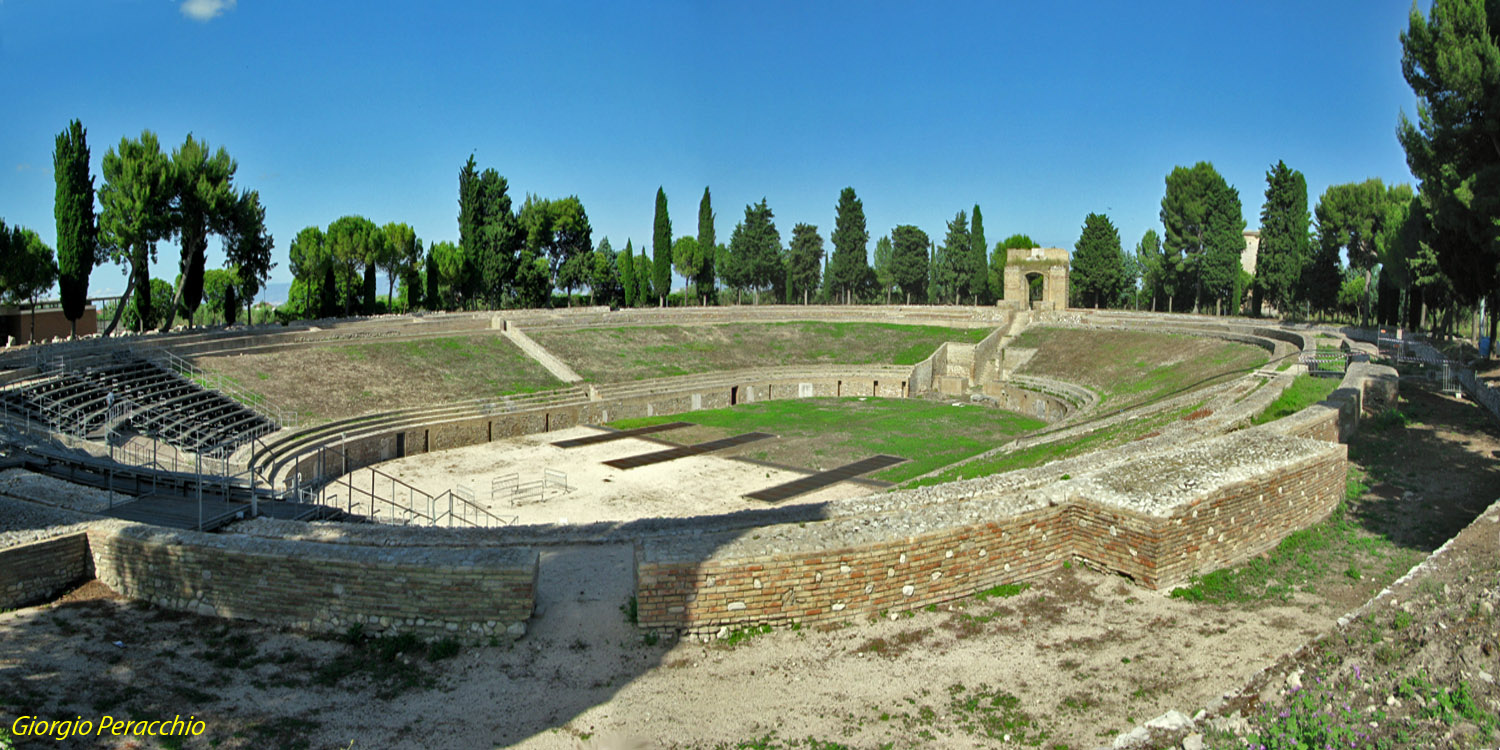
[(605, 437), (178, 512), (656, 457), (823, 479)]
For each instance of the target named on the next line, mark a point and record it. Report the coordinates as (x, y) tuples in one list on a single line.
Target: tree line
[(1387, 254), (147, 197), (1384, 253)]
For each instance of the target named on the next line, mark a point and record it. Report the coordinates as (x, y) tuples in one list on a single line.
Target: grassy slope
[(823, 433), (634, 353), (1304, 391), (340, 381), (1134, 367)]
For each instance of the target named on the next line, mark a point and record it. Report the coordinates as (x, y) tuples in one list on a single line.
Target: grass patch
[(829, 432), (1337, 548), (1003, 591), (392, 664), (1304, 391), (1045, 453), (635, 353), (736, 637)]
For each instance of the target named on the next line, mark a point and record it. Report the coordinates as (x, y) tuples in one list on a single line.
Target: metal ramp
[(605, 437), (818, 481), (671, 454)]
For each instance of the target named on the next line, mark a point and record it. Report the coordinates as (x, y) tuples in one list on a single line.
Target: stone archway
[(1024, 266)]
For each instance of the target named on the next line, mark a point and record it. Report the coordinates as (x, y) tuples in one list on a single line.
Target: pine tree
[(1098, 273), (849, 261), (1285, 242), (1451, 60), (77, 231), (755, 250), (661, 249), (1204, 226)]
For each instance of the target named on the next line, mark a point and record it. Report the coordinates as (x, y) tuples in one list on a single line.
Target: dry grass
[(333, 382)]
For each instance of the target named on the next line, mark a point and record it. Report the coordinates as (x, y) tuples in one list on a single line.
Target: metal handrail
[(217, 382)]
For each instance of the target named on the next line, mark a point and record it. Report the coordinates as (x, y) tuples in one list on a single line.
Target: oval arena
[(359, 520)]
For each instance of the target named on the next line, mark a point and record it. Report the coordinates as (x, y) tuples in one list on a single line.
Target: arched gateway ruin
[(1036, 279), (1200, 495)]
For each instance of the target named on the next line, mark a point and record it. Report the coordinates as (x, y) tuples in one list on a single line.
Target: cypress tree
[(1285, 242), (328, 295), (956, 258), (1098, 273), (431, 295), (642, 279), (627, 274), (850, 260), (77, 232), (661, 249), (369, 289), (231, 305), (979, 282), (706, 246)]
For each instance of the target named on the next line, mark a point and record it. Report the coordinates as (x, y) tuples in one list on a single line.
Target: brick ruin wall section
[(467, 594), (1226, 525), (37, 571)]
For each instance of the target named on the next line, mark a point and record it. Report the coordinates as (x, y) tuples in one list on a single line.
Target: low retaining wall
[(1185, 511), (316, 465), (468, 594), (1365, 387), (38, 571)]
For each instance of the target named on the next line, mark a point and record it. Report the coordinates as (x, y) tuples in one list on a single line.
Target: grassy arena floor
[(823, 433), (608, 355), (1134, 367)]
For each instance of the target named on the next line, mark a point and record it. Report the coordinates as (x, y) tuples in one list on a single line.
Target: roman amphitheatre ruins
[(559, 487)]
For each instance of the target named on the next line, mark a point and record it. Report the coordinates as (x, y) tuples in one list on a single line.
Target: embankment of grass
[(1304, 391)]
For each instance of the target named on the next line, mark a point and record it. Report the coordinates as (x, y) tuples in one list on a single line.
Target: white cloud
[(20, 167), (206, 10)]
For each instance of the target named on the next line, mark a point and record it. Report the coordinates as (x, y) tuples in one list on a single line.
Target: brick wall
[(819, 571), (37, 571), (469, 594)]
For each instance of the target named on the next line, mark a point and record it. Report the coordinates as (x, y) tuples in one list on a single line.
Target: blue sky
[(1039, 112)]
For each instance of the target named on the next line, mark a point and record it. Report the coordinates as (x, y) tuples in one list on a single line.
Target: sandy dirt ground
[(1072, 661), (696, 485)]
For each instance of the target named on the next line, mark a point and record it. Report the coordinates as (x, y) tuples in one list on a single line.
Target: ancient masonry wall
[(826, 571), (467, 594), (40, 570), (367, 449)]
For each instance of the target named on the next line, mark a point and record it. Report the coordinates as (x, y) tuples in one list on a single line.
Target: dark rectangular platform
[(179, 512), (605, 437), (822, 479), (656, 457)]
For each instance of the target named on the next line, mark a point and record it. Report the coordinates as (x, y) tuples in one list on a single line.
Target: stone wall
[(383, 444), (37, 571), (468, 594), (1224, 501)]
